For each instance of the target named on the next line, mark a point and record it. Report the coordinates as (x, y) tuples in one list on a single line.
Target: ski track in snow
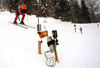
[(19, 46)]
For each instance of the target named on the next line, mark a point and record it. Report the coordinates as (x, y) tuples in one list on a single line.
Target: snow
[(19, 46)]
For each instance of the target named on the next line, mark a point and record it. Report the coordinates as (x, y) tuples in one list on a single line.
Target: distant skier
[(20, 11)]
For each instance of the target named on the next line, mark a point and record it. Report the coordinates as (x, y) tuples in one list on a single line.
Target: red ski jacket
[(20, 11)]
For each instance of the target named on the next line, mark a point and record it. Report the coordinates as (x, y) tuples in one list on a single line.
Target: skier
[(20, 11)]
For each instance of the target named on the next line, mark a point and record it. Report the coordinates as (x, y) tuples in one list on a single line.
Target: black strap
[(51, 42)]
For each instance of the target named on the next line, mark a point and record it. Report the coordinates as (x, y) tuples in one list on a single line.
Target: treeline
[(83, 11)]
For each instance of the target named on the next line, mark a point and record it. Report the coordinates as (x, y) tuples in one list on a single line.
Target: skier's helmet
[(24, 6)]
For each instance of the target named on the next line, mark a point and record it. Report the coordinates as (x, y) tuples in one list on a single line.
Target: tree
[(75, 11), (94, 9), (62, 10), (66, 10), (0, 4), (85, 12), (10, 4)]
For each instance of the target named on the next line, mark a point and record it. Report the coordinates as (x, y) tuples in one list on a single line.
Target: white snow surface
[(19, 46)]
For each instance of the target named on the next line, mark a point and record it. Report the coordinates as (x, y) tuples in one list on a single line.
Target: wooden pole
[(39, 47), (75, 29), (56, 56), (81, 32), (97, 25), (27, 17)]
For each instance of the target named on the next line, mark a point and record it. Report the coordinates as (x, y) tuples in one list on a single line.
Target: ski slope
[(19, 46)]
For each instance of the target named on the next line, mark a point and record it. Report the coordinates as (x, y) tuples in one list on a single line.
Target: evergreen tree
[(10, 4), (72, 10), (66, 15), (66, 10), (62, 10), (77, 12), (57, 11), (85, 12), (94, 9)]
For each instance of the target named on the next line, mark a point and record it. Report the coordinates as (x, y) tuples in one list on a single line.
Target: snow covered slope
[(19, 46)]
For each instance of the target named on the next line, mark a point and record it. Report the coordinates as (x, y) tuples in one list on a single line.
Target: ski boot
[(22, 23), (15, 22)]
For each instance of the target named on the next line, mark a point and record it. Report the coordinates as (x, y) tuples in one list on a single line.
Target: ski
[(19, 25), (28, 26)]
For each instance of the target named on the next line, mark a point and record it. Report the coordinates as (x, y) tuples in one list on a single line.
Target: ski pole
[(27, 17), (44, 27), (45, 30)]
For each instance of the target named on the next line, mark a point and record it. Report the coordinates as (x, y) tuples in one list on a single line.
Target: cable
[(51, 62)]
